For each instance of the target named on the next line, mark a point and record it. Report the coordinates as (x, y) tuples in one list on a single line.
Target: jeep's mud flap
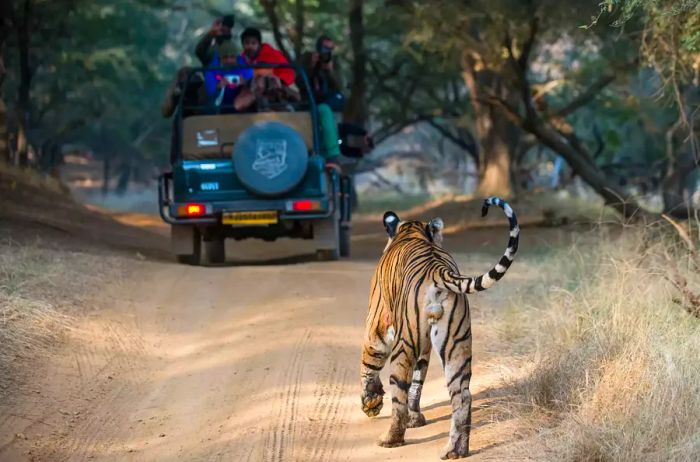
[(182, 239), (186, 244), (327, 237)]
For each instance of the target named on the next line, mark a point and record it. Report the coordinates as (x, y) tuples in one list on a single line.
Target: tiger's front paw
[(373, 398), (372, 403)]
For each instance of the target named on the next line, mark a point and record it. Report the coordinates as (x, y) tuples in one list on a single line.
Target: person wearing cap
[(222, 85)]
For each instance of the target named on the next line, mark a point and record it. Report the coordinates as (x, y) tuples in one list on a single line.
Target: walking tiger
[(417, 302)]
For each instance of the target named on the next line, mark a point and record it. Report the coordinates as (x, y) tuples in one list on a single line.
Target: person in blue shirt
[(223, 86)]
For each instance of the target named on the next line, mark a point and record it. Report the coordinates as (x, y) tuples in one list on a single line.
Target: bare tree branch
[(529, 43), (270, 7), (585, 97), (520, 66), (471, 146), (392, 129), (511, 111), (559, 136)]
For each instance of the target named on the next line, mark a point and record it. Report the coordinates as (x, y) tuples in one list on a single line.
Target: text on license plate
[(268, 217)]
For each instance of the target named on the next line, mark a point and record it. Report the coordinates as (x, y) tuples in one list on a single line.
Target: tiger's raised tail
[(455, 282)]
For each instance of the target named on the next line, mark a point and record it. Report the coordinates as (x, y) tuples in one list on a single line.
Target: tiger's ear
[(391, 223), (434, 229)]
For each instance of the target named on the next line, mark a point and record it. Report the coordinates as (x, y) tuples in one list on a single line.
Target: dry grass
[(614, 363), (18, 178), (41, 289)]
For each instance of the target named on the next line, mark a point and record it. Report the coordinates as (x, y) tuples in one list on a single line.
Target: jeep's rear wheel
[(215, 251)]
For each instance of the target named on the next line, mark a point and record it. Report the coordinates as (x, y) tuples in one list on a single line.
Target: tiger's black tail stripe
[(463, 284)]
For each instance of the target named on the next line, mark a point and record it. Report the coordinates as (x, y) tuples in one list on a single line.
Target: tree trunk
[(124, 179), (4, 135), (497, 134), (22, 147), (24, 86), (356, 107), (299, 19), (106, 173), (4, 138)]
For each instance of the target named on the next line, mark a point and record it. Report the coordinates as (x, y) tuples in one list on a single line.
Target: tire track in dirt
[(280, 436), (96, 353), (327, 417), (329, 431), (107, 379)]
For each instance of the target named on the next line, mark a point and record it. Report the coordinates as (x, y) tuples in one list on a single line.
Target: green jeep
[(251, 175)]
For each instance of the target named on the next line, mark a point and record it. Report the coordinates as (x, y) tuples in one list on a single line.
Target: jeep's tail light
[(191, 210), (305, 205)]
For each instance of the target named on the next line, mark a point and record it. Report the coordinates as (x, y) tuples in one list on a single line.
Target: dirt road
[(257, 360)]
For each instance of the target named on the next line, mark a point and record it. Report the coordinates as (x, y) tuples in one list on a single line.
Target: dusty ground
[(256, 360)]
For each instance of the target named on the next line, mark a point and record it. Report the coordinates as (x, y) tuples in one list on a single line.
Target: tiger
[(417, 302)]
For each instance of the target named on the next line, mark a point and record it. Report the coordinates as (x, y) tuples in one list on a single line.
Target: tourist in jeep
[(219, 33), (257, 52), (321, 70), (325, 86), (207, 50), (224, 86), (267, 85)]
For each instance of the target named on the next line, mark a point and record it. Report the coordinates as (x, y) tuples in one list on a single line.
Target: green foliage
[(670, 34), (100, 68)]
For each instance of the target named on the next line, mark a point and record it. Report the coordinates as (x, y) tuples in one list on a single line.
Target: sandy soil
[(255, 360)]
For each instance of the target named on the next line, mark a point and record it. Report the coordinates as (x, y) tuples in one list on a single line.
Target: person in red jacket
[(257, 52), (267, 84)]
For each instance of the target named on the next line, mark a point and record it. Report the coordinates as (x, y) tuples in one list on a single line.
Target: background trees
[(513, 87)]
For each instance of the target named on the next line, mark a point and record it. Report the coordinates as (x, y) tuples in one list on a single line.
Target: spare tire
[(270, 158)]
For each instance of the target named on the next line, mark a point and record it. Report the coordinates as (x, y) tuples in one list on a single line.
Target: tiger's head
[(395, 228)]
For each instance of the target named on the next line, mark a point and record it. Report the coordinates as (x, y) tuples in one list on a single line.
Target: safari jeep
[(251, 175)]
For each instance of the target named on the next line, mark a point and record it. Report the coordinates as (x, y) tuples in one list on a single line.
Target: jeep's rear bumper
[(214, 209)]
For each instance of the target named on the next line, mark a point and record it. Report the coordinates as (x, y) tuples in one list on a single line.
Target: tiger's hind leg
[(415, 416), (452, 339), (402, 365), (374, 356)]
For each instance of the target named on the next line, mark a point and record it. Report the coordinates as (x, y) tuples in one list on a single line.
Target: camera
[(228, 21), (325, 54), (233, 79)]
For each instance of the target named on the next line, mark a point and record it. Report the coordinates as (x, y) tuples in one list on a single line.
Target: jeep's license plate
[(268, 217)]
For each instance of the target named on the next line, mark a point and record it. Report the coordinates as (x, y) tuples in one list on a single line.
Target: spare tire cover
[(270, 158)]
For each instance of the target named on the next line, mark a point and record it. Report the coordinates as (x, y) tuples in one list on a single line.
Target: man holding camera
[(325, 87), (207, 52), (320, 68), (218, 33)]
